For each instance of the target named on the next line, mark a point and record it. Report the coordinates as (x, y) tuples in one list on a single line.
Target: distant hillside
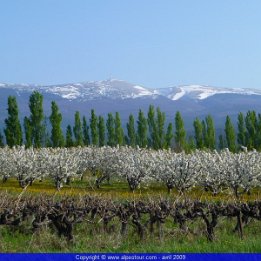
[(116, 95)]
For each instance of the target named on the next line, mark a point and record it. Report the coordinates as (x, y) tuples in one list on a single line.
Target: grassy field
[(86, 240), (94, 239)]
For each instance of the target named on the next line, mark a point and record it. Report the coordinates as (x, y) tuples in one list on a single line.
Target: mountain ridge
[(117, 95), (119, 89)]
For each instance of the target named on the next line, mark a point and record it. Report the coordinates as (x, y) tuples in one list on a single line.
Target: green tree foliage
[(110, 130), (156, 128), (36, 118), (198, 128), (69, 137), (101, 130), (1, 140), (119, 133), (13, 130), (46, 140), (204, 133), (230, 135), (180, 133), (210, 133), (190, 145), (131, 139), (258, 133), (151, 126), (150, 131), (241, 136), (251, 123), (85, 132), (168, 137), (77, 129), (160, 131), (94, 128), (142, 135), (57, 138), (28, 133)]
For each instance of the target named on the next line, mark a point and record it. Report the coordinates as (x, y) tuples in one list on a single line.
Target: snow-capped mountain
[(199, 92), (118, 89), (115, 95), (112, 89)]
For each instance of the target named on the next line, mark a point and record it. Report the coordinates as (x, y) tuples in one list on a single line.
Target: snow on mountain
[(118, 89), (114, 89), (70, 92), (201, 92), (177, 95), (142, 92)]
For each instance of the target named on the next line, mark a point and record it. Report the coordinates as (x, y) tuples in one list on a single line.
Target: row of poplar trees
[(148, 131)]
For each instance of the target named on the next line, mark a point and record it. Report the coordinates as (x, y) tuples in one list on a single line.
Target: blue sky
[(148, 42)]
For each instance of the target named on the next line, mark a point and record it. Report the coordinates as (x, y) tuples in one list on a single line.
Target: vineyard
[(170, 215), (143, 217)]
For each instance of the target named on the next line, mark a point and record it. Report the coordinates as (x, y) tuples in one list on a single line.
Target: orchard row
[(209, 170)]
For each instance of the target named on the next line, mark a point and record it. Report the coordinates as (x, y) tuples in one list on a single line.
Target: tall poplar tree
[(204, 134), (57, 138), (28, 133), (36, 118), (77, 129), (94, 128), (151, 126), (156, 122), (210, 133), (230, 135), (119, 133), (251, 123), (101, 130), (258, 133), (241, 136), (85, 132), (180, 133), (168, 136), (69, 137), (110, 130), (46, 140), (131, 131), (159, 129), (198, 128), (142, 129), (13, 130)]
